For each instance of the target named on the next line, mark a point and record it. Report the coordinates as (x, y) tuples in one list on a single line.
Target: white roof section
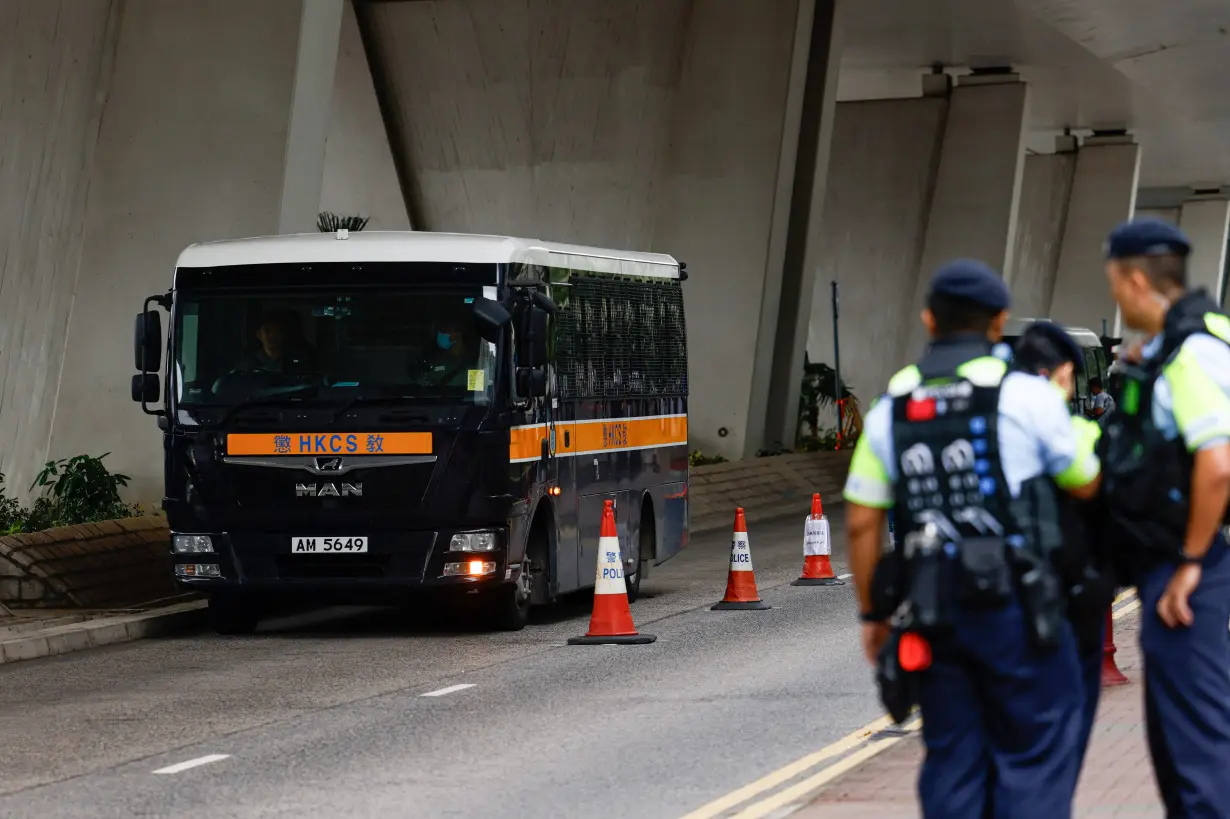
[(421, 246), (1081, 335)]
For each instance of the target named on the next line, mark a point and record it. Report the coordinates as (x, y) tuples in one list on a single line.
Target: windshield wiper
[(279, 399), (374, 400)]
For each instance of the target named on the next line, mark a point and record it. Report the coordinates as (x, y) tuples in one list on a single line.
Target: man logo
[(328, 464), (328, 490)]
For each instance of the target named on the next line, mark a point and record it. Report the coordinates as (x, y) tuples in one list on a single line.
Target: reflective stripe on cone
[(611, 620), (741, 592)]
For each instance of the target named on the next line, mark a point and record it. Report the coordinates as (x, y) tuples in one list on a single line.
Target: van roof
[(422, 246), (1081, 335)]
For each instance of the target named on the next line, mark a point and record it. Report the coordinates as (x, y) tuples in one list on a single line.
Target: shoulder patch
[(905, 381), (1218, 325), (986, 371)]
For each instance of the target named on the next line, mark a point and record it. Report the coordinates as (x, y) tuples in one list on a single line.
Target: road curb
[(104, 631)]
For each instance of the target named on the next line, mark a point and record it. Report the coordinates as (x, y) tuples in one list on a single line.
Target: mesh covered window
[(621, 338)]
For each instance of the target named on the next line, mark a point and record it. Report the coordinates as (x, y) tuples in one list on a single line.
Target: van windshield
[(330, 344)]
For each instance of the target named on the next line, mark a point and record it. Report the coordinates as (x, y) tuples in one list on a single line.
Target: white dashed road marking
[(192, 763), (441, 692)]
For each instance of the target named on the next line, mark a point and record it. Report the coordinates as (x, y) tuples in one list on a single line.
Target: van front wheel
[(233, 614)]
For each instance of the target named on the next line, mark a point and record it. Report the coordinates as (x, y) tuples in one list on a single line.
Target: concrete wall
[(53, 67), (881, 174), (1046, 184), (359, 176), (716, 204), (542, 118), (630, 125), (191, 148)]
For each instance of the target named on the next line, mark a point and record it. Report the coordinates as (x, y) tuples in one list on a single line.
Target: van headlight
[(191, 544), (474, 542)]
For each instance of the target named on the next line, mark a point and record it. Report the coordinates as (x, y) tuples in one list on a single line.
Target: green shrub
[(327, 222), (698, 458), (11, 513), (73, 490)]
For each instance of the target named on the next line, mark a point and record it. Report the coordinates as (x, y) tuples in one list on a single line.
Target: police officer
[(1166, 453), (953, 442), (1085, 566)]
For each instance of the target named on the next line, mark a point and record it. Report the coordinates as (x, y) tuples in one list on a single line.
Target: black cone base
[(818, 581), (753, 605), (619, 640)]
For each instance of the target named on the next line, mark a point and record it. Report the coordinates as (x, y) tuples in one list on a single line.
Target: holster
[(899, 689), (888, 584), (1035, 553)]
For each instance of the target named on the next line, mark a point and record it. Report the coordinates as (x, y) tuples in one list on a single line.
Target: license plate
[(323, 545)]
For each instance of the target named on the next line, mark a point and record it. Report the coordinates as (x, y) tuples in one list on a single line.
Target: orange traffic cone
[(817, 570), (1111, 675), (611, 621), (741, 590)]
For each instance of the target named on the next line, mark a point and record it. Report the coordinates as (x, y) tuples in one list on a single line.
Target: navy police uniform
[(1085, 564), (951, 448), (1176, 403)]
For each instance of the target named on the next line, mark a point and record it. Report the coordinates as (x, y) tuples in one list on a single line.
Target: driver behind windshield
[(281, 348), (448, 359)]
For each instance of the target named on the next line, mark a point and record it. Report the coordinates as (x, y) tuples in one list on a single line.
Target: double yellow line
[(849, 753), (1126, 603), (843, 755)]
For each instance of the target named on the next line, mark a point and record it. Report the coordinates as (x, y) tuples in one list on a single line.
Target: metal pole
[(837, 364)]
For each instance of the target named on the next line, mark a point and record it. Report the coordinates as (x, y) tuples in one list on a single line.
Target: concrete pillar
[(978, 181), (1206, 222), (360, 177), (802, 231), (191, 147), (1103, 195), (1046, 187), (1170, 215), (55, 65), (881, 172), (723, 202), (320, 26)]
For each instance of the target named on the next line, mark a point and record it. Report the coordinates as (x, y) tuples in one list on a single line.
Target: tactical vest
[(1146, 479), (954, 521)]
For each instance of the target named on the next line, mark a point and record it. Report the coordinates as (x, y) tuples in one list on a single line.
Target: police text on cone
[(741, 592), (611, 621)]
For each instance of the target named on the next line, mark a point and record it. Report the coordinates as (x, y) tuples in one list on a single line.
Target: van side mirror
[(491, 318), (146, 389), (532, 337), (531, 382), (147, 342)]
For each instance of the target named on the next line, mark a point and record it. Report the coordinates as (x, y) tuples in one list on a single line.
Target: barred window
[(619, 337)]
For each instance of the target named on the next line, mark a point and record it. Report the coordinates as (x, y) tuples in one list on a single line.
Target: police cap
[(1146, 237), (1063, 344), (972, 281)]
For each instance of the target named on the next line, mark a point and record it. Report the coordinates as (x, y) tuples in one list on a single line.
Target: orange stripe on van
[(607, 434), (525, 442), (635, 433)]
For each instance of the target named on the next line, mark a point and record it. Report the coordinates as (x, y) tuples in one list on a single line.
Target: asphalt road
[(326, 715)]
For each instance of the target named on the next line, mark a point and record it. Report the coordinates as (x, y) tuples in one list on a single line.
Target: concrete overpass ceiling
[(1180, 51), (1084, 74), (538, 117)]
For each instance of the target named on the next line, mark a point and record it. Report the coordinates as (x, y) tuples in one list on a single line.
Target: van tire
[(233, 614), (645, 546), (508, 606)]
